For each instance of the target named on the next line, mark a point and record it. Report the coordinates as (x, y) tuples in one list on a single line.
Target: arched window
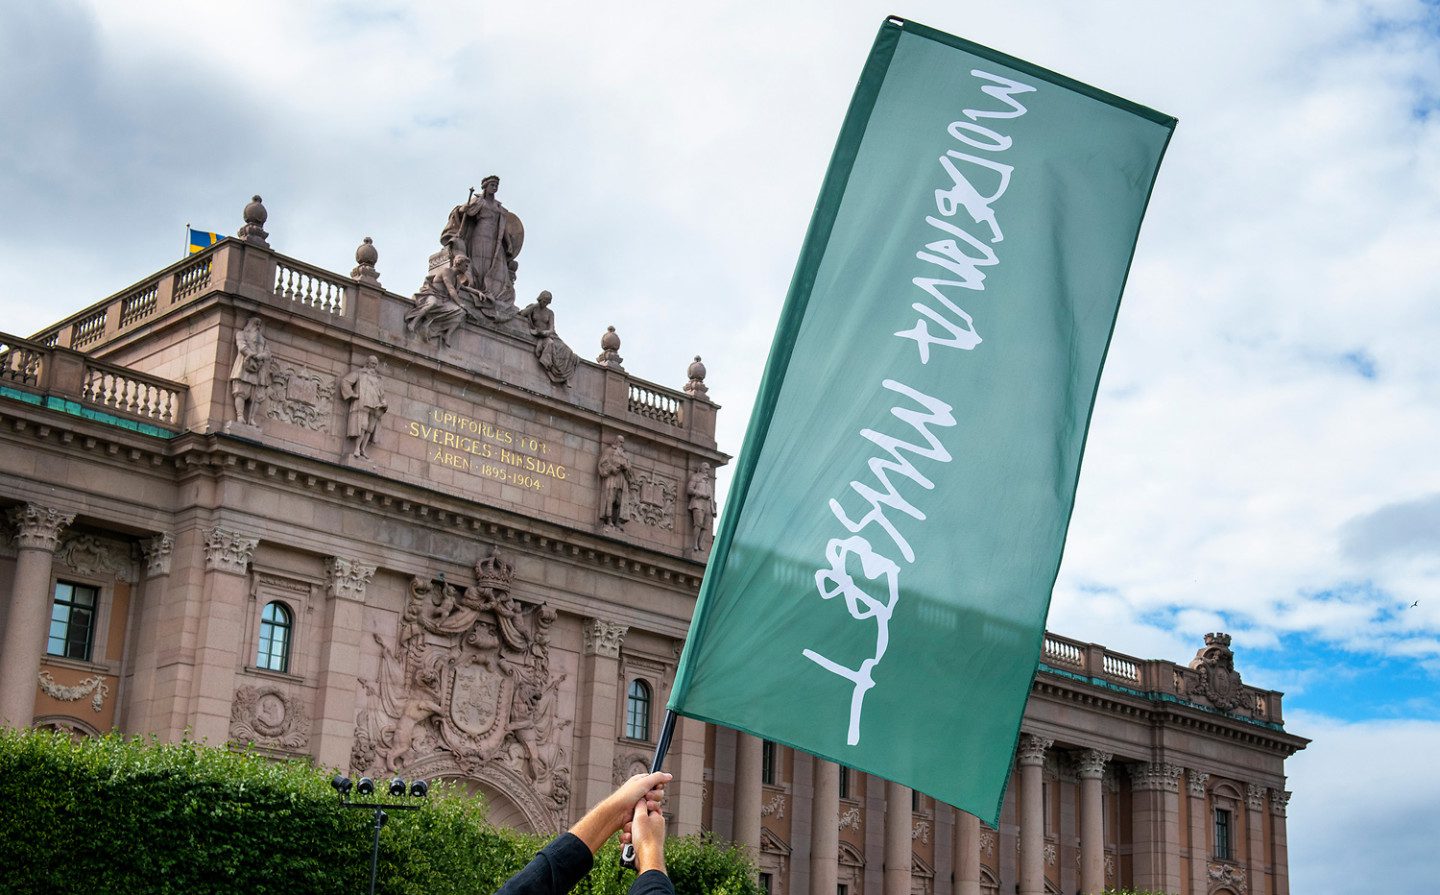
[(637, 710), (275, 628)]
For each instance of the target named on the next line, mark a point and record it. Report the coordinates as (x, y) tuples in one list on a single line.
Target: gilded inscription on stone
[(487, 450)]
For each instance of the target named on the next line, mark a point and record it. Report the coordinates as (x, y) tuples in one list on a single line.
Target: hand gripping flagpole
[(627, 854)]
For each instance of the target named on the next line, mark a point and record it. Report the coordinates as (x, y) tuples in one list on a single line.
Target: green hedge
[(126, 816)]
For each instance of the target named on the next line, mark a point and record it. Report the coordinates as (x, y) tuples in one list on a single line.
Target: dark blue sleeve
[(554, 871), (652, 882)]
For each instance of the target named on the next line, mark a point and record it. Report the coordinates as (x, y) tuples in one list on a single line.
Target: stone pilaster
[(967, 854), (1031, 756), (346, 581), (1255, 799), (898, 846), (747, 792), (220, 643), (37, 534), (1156, 826), (1090, 768), (824, 828), (1279, 840), (600, 688), (155, 554), (1199, 819)]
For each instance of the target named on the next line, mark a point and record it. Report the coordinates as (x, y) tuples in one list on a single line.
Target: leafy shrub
[(129, 816)]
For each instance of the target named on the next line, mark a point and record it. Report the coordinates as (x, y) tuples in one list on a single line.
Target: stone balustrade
[(255, 272), (1153, 677), (59, 377)]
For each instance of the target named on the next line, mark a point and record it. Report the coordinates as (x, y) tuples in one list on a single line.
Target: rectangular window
[(72, 620), (767, 762), (1222, 835), (842, 889), (765, 882), (914, 801), (844, 784)]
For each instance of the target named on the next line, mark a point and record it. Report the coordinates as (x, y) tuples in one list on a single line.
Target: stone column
[(825, 828), (600, 687), (37, 534), (1156, 827), (1091, 770), (1199, 817), (967, 854), (346, 581), (1278, 801), (220, 642), (898, 849), (1032, 813), (747, 792), (1255, 798)]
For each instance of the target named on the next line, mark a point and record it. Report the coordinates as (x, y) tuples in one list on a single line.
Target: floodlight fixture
[(419, 789), (397, 787), (342, 784), (366, 787)]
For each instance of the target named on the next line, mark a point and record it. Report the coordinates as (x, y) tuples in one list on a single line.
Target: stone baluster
[(1032, 813), (599, 670), (825, 828), (220, 644), (1091, 770), (37, 530), (898, 846)]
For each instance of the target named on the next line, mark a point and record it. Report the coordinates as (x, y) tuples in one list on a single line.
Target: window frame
[(92, 629), (843, 783), (1224, 834), (631, 700), (265, 634), (769, 762)]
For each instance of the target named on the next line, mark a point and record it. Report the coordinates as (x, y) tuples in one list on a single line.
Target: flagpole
[(662, 745), (186, 253)]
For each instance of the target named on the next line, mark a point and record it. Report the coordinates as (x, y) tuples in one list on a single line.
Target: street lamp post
[(366, 787)]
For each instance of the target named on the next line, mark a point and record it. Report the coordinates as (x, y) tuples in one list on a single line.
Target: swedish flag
[(200, 240)]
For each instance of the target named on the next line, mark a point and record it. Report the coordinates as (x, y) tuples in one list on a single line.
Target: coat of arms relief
[(467, 685)]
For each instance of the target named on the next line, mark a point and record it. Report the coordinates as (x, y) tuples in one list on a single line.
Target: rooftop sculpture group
[(472, 278)]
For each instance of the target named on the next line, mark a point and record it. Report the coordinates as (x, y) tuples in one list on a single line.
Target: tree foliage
[(118, 815)]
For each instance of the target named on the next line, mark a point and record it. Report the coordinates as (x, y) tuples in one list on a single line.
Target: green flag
[(878, 588)]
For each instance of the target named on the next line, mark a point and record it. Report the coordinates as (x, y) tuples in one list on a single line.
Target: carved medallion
[(268, 716), (96, 557)]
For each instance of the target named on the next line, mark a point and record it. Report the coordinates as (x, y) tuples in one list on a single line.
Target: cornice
[(1144, 709)]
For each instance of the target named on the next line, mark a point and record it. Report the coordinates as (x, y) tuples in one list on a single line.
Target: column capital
[(1255, 796), (1032, 749), (157, 552), (1160, 776), (1090, 764), (346, 579), (603, 638), (1279, 799), (38, 527), (1196, 781), (228, 551)]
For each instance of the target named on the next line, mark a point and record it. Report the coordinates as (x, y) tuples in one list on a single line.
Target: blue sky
[(1262, 455)]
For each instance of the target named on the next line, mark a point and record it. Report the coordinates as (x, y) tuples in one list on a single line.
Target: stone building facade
[(251, 500)]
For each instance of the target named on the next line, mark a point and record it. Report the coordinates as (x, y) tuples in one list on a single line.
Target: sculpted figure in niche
[(250, 376), (614, 469), (442, 303), (365, 391), (490, 236), (701, 490), (555, 357)]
